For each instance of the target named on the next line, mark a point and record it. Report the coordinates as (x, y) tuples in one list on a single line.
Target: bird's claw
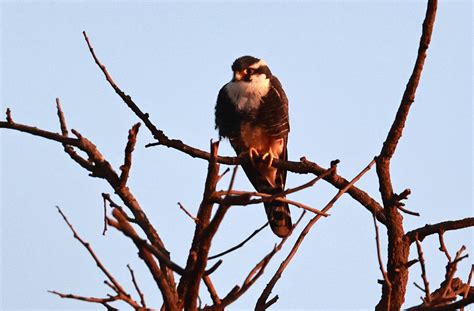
[(267, 159), (253, 153)]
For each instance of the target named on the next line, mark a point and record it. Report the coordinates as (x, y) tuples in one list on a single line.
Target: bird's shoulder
[(276, 96)]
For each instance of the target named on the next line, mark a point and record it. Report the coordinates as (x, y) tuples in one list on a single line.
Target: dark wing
[(273, 116), (227, 118)]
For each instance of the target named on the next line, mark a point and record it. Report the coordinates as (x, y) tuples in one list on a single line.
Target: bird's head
[(249, 68)]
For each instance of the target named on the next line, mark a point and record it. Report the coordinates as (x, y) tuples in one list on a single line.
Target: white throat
[(247, 96)]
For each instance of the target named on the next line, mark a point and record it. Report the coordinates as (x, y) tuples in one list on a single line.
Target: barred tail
[(279, 217)]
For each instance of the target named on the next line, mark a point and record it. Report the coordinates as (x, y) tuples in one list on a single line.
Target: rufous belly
[(255, 137)]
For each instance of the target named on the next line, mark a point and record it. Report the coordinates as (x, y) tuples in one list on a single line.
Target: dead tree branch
[(379, 258), (230, 250), (137, 288), (262, 300), (439, 227), (121, 293), (125, 168), (444, 298), (398, 247), (188, 287), (421, 260), (144, 252), (253, 275)]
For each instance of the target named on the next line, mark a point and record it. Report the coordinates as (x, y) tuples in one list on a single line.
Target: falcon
[(252, 112)]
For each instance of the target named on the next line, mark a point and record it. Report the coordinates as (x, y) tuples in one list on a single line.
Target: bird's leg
[(268, 157)]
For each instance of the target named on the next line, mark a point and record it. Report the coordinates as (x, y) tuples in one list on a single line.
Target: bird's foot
[(267, 158), (252, 154)]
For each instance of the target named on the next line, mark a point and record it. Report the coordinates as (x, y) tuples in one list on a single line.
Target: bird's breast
[(247, 96), (256, 137)]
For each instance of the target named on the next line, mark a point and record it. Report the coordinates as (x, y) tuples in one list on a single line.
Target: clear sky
[(344, 66)]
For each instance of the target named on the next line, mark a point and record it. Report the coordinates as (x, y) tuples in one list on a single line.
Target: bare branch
[(449, 290), (406, 211), (106, 197), (188, 287), (408, 98), (379, 258), (227, 170), (240, 244), (213, 267), (439, 227), (125, 168), (398, 247), (105, 214), (87, 299), (469, 280), (262, 300), (62, 119), (126, 228), (254, 274), (38, 132), (442, 246), (145, 253), (423, 270), (187, 213), (123, 295), (236, 197), (137, 288), (212, 290)]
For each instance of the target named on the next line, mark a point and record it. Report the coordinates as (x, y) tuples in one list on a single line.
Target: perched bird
[(252, 112)]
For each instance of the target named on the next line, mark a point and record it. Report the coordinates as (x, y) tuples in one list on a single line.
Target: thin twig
[(137, 288), (406, 211), (379, 258), (122, 293), (468, 284), (254, 274), (240, 244), (237, 197), (106, 197), (442, 246), (62, 119), (83, 298), (213, 267), (146, 252), (126, 228), (212, 290), (187, 213), (419, 287), (310, 183), (423, 270), (105, 215), (271, 302), (227, 170)]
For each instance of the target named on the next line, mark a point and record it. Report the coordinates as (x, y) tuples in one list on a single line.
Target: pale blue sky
[(344, 66)]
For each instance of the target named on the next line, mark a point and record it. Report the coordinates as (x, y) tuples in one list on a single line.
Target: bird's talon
[(253, 153), (269, 155)]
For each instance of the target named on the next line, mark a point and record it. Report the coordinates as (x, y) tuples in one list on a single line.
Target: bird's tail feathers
[(279, 218), (278, 212)]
